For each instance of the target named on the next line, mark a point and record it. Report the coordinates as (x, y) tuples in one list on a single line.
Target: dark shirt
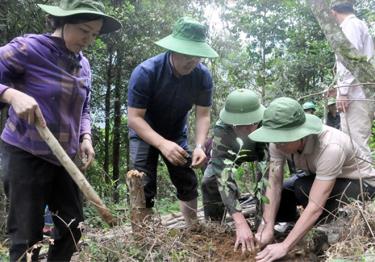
[(333, 121), (167, 98)]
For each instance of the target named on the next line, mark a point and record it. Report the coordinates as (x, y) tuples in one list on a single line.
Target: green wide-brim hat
[(242, 107), (75, 7), (189, 38), (285, 121)]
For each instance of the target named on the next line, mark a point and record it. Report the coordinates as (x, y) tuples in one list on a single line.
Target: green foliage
[(372, 140), (250, 176)]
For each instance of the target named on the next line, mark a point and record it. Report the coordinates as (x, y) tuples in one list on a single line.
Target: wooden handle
[(76, 174)]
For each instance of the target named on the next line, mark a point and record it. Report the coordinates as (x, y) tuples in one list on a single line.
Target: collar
[(310, 142), (60, 44), (347, 19)]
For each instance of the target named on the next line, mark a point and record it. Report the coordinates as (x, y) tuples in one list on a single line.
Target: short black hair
[(54, 22), (343, 8)]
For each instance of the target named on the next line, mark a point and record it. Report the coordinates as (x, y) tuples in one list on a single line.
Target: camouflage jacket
[(225, 141)]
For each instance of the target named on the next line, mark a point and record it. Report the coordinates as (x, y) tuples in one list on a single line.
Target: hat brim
[(193, 48), (239, 119), (110, 24), (312, 125)]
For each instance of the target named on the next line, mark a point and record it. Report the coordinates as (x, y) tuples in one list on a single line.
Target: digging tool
[(76, 174)]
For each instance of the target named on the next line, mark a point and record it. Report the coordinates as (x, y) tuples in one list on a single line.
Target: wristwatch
[(199, 146)]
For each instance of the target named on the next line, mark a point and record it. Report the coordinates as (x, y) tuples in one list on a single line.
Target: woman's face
[(79, 36)]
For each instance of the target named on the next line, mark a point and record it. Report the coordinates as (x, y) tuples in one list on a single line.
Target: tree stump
[(140, 216)]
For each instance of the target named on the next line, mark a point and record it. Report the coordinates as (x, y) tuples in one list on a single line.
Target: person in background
[(337, 171), (309, 107), (46, 80), (162, 91), (333, 117), (356, 113), (240, 116), (48, 222)]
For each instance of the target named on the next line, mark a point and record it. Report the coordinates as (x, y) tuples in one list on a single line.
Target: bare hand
[(342, 103), (272, 253), (27, 109), (86, 153), (198, 157), (264, 236), (244, 237), (174, 153)]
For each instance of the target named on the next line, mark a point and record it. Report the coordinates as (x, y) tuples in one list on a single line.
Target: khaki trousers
[(357, 122)]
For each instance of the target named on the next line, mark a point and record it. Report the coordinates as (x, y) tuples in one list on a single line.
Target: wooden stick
[(76, 174)]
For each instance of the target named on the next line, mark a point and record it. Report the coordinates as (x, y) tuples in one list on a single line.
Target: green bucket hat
[(285, 121), (75, 7), (189, 38), (242, 107), (308, 105), (331, 101)]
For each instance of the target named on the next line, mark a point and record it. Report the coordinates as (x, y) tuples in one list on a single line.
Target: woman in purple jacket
[(45, 78)]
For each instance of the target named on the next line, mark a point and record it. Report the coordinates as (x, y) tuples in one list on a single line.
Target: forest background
[(274, 47)]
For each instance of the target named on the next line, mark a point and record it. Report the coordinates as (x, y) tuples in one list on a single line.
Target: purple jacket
[(60, 81)]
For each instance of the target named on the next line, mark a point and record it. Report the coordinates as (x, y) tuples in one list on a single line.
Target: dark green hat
[(331, 101), (308, 105), (242, 107), (285, 121), (189, 38), (75, 7)]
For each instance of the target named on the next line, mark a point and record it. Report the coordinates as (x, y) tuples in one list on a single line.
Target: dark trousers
[(213, 206), (30, 183), (144, 157), (296, 192)]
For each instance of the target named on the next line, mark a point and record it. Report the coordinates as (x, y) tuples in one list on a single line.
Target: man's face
[(290, 147), (335, 15), (332, 108), (243, 131), (184, 64)]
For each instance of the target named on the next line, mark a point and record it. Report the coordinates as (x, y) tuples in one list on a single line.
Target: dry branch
[(76, 174)]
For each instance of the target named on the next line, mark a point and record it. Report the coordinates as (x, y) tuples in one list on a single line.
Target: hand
[(272, 253), (244, 237), (27, 108), (264, 236), (198, 157), (342, 103), (174, 153), (86, 153)]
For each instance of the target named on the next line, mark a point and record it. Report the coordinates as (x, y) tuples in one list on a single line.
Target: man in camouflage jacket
[(240, 116)]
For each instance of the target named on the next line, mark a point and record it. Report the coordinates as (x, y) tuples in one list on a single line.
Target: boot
[(189, 211)]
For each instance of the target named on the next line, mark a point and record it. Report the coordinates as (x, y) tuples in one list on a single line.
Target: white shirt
[(356, 31)]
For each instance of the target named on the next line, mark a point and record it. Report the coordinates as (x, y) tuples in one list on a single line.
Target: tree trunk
[(117, 128), (356, 63), (107, 115)]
